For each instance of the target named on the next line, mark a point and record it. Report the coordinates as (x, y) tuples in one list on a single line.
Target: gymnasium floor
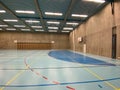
[(57, 70)]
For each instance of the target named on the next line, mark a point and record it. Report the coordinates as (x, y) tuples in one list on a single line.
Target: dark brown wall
[(7, 39), (98, 32)]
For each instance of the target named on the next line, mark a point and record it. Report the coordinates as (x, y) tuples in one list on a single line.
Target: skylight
[(36, 26), (10, 20), (3, 25), (25, 29), (53, 13), (79, 15), (11, 29), (25, 11), (52, 27), (52, 30), (32, 21), (53, 22), (72, 23), (2, 11), (96, 1), (66, 31), (19, 26), (39, 30), (67, 28)]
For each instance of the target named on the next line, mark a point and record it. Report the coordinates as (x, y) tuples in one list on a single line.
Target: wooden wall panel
[(7, 39), (98, 32)]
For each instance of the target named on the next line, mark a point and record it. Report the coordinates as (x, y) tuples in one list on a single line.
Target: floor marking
[(44, 77), (55, 82), (99, 77), (70, 88), (118, 89), (17, 75), (96, 75), (13, 79), (100, 86)]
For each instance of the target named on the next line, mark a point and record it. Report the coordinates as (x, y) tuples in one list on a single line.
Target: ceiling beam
[(11, 12), (71, 5), (40, 14)]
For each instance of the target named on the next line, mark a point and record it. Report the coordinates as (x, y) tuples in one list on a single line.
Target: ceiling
[(58, 16)]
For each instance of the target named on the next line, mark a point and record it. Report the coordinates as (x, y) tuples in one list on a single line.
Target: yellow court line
[(14, 77), (97, 76), (100, 78)]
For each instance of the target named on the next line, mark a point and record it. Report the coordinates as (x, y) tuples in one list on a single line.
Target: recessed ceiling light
[(52, 27), (25, 29), (52, 30), (3, 25), (52, 13), (97, 1), (79, 15), (19, 26), (72, 23), (2, 11), (66, 31), (11, 29), (32, 21), (36, 26), (39, 30), (10, 20), (25, 11), (53, 22), (67, 28)]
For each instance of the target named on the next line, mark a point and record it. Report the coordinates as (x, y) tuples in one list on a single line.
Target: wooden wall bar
[(8, 40), (34, 46)]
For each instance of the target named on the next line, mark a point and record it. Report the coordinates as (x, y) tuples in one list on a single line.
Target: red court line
[(44, 77)]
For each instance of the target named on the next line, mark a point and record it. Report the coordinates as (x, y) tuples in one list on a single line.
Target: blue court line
[(77, 58), (51, 68), (68, 83)]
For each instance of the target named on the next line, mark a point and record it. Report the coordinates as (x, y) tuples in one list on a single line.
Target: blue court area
[(77, 58), (56, 70)]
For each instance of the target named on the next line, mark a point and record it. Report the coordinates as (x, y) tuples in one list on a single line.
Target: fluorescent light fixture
[(39, 30), (67, 28), (79, 15), (2, 11), (25, 11), (11, 29), (96, 1), (52, 30), (19, 26), (52, 13), (10, 20), (53, 22), (32, 21), (52, 27), (25, 29), (3, 25), (71, 23), (66, 31), (36, 26)]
